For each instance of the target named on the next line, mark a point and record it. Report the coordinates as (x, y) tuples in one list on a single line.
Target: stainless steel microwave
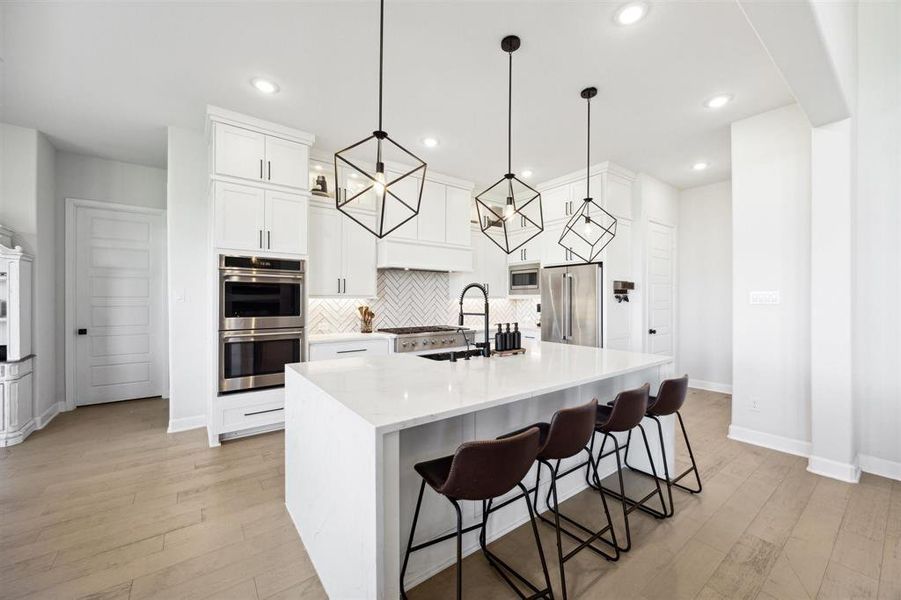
[(524, 280)]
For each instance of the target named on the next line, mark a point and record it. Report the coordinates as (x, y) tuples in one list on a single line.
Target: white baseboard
[(710, 386), (834, 469), (880, 466), (769, 440), (45, 417), (186, 423)]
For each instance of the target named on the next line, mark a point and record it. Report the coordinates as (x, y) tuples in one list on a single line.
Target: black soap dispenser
[(508, 336), (517, 337), (499, 340)]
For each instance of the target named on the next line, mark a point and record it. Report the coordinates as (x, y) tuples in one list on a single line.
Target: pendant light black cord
[(381, 55), (509, 113), (588, 153)]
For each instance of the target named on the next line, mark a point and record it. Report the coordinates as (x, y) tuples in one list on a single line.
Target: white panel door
[(431, 219), (286, 163), (240, 219), (325, 268), (286, 222), (239, 152), (457, 216), (359, 256), (119, 351), (661, 310)]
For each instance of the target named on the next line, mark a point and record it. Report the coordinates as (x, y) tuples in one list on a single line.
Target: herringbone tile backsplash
[(408, 298)]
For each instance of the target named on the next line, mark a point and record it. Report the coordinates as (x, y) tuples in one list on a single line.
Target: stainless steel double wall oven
[(261, 320)]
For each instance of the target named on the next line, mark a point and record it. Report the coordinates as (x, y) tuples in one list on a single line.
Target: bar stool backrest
[(486, 469), (670, 397), (629, 409), (571, 430)]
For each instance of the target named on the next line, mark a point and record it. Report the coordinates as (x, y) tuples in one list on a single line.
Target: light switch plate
[(765, 297)]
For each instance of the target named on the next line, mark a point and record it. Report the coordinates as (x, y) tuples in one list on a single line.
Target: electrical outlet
[(755, 405), (765, 297)]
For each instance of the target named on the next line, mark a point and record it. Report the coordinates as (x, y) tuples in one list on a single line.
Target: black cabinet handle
[(339, 285), (82, 332), (261, 239), (261, 168), (351, 351), (262, 412), (269, 239), (269, 167)]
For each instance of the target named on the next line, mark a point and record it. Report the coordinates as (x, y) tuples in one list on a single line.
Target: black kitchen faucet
[(486, 346)]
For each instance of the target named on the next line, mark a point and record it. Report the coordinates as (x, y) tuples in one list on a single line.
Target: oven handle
[(251, 275), (293, 333)]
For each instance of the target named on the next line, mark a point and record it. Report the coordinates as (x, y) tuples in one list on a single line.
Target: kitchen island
[(354, 428)]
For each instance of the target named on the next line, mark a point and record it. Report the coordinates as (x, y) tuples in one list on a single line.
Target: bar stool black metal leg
[(622, 492), (694, 465), (459, 548), (403, 569), (556, 511), (664, 512)]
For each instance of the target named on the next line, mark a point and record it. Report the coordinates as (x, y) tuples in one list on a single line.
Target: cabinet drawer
[(254, 415), (332, 350)]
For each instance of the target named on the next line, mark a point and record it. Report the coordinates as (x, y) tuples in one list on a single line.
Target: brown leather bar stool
[(568, 435), (482, 471), (623, 414), (669, 400)]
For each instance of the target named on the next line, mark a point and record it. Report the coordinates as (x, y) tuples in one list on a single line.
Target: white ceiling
[(106, 78)]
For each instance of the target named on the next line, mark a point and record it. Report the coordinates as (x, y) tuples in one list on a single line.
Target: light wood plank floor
[(104, 504)]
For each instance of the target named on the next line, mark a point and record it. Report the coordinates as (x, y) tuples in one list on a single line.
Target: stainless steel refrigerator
[(572, 304)]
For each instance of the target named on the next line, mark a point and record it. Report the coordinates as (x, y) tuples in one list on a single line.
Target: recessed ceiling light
[(719, 101), (699, 166), (631, 13), (429, 142), (526, 173), (264, 86)]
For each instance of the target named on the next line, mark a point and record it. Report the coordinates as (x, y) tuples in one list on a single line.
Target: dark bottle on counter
[(508, 337), (517, 337), (500, 340)]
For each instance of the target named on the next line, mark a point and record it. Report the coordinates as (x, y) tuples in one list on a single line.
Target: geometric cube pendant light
[(395, 198), (591, 228), (510, 210)]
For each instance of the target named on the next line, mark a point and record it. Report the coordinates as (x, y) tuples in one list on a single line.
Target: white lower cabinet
[(349, 349), (254, 219), (342, 254), (16, 402)]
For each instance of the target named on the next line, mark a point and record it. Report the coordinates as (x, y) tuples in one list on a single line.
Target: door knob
[(82, 332), (652, 331)]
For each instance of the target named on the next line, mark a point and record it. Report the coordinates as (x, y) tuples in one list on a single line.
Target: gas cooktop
[(429, 338), (415, 330)]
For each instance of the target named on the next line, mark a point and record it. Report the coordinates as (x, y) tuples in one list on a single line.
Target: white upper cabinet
[(286, 163), (531, 251), (286, 222), (251, 218), (240, 216), (457, 216), (239, 152), (407, 189), (555, 203), (252, 155), (342, 254), (432, 219)]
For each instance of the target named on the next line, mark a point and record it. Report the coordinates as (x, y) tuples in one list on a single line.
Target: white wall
[(90, 178), (26, 206), (189, 272), (771, 251), (705, 285), (877, 249)]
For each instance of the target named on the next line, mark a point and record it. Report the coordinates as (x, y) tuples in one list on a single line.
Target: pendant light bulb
[(587, 228), (379, 184), (508, 209)]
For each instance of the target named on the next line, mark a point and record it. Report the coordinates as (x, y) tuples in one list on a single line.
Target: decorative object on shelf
[(321, 187), (366, 316), (510, 210), (621, 290), (396, 199), (591, 228)]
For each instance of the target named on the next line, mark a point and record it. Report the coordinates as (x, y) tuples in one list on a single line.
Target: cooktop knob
[(425, 342)]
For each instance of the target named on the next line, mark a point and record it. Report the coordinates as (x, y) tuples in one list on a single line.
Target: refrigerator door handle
[(569, 293)]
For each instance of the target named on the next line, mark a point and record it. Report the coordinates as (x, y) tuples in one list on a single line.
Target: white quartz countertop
[(323, 338), (400, 391)]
